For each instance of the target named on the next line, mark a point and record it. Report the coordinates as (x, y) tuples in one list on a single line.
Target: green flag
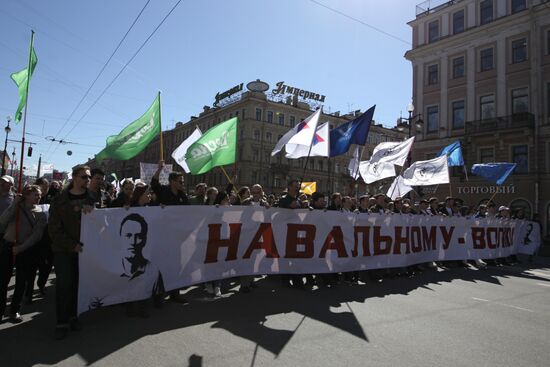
[(21, 78), (216, 147), (135, 137)]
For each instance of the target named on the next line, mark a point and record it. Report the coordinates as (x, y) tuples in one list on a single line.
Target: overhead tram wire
[(361, 22), (122, 70), (100, 72)]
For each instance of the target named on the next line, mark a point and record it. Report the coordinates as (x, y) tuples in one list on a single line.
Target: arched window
[(521, 203)]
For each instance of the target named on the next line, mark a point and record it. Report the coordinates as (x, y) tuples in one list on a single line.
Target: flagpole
[(20, 181), (309, 152), (160, 123), (450, 185), (356, 173)]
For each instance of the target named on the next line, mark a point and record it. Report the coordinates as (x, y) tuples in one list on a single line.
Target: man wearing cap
[(432, 209), (6, 193)]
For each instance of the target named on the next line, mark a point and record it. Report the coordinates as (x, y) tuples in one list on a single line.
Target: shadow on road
[(107, 330)]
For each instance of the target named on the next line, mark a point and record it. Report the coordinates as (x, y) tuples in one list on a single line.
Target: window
[(337, 168), (548, 42), (458, 22), (548, 220), (519, 50), (236, 113), (518, 5), (257, 135), (320, 165), (292, 121), (433, 77), (267, 156), (433, 119), (270, 116), (485, 11), (258, 114), (458, 67), (268, 137), (255, 155), (433, 31), (311, 164), (520, 101), (242, 134), (486, 59), (243, 113), (520, 156), (458, 115), (486, 155), (487, 107), (254, 177), (548, 101), (282, 119), (277, 182)]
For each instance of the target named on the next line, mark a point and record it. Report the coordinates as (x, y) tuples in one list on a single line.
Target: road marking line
[(543, 284), (503, 304)]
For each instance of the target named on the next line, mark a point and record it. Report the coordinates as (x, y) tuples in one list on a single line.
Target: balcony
[(432, 6), (518, 121)]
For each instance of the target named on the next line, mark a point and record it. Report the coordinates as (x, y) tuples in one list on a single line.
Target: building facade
[(481, 75), (263, 118)]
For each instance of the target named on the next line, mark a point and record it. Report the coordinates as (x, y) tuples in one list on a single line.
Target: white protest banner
[(127, 252), (147, 170)]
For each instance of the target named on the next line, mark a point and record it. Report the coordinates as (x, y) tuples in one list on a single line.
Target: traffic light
[(29, 151)]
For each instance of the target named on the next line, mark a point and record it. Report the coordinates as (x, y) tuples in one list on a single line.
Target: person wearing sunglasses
[(64, 229)]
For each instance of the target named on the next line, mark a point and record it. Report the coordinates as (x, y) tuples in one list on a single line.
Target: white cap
[(503, 208), (8, 179)]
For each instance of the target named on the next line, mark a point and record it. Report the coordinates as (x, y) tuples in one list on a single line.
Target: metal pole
[(39, 164), (7, 129)]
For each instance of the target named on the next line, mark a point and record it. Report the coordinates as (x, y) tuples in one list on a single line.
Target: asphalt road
[(457, 317)]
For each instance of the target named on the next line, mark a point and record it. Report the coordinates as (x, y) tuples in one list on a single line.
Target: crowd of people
[(40, 229)]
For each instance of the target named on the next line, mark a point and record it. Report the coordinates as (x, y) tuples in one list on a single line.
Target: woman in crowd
[(21, 246)]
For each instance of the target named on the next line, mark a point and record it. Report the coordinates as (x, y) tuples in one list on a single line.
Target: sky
[(204, 47)]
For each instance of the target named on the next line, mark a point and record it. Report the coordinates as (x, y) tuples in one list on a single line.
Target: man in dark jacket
[(64, 229), (171, 194)]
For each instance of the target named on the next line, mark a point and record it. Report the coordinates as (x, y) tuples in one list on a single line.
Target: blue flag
[(496, 172), (454, 154), (352, 132)]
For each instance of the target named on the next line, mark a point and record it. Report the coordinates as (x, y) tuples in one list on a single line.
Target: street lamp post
[(7, 129), (12, 161)]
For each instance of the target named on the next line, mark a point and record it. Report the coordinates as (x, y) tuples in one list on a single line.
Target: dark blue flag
[(352, 132), (454, 154), (496, 172)]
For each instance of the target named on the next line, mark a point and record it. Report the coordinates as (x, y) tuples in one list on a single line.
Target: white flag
[(425, 173), (353, 166), (320, 147), (306, 133), (372, 172), (392, 152), (290, 133), (398, 188), (179, 153)]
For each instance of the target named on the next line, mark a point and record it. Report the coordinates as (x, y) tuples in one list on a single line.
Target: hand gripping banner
[(128, 253)]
